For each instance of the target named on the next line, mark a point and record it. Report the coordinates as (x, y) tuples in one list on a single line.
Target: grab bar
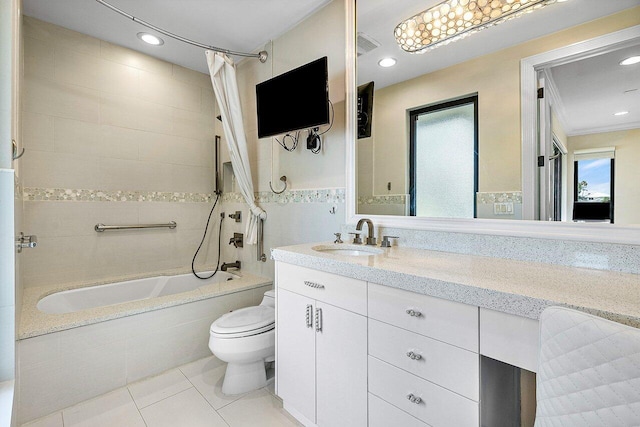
[(101, 227), (260, 246)]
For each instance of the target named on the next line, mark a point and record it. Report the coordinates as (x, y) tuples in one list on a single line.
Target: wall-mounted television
[(365, 110), (297, 99)]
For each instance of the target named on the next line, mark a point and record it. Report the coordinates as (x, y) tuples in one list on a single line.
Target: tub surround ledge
[(522, 288), (34, 322)]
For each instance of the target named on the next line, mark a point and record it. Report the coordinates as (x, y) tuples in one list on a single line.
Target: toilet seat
[(244, 322)]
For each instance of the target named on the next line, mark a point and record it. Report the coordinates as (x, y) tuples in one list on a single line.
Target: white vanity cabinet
[(423, 358), (321, 346)]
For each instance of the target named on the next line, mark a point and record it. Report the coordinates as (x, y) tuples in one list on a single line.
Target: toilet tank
[(269, 299)]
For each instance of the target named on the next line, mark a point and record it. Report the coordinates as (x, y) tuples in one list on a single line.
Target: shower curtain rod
[(262, 56)]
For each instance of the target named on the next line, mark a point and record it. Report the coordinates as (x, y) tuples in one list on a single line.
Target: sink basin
[(348, 250)]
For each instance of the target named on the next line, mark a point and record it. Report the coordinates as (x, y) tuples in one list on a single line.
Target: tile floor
[(188, 396)]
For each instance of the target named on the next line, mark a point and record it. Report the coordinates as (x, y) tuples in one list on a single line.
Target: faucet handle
[(385, 241), (338, 239), (357, 240)]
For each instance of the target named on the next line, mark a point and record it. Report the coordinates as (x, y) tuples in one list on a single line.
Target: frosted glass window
[(445, 162)]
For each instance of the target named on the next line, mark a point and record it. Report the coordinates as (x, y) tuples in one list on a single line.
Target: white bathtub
[(71, 356), (131, 290)]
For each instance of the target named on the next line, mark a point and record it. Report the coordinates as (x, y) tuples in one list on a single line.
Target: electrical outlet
[(503, 208)]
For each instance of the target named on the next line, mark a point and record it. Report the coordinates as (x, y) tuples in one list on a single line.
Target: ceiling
[(592, 89), (378, 18), (227, 24), (239, 25)]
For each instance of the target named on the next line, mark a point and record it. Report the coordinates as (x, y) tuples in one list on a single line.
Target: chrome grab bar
[(101, 227)]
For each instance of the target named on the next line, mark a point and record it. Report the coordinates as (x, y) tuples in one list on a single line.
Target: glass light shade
[(454, 19)]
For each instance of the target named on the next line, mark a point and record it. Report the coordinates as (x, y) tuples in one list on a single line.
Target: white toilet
[(245, 339)]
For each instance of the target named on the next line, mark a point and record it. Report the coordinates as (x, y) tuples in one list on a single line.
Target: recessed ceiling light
[(630, 60), (387, 62), (620, 113), (151, 39)]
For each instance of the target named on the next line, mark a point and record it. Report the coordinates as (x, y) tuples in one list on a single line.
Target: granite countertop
[(515, 287), (33, 322)]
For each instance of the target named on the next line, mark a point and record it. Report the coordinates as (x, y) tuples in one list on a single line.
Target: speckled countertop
[(34, 322), (516, 287)]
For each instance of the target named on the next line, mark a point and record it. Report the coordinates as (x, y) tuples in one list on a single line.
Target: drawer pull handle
[(414, 356), (318, 320), (313, 284), (413, 313), (414, 399), (308, 316)]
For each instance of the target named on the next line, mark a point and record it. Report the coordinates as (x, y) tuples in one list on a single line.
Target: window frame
[(412, 117)]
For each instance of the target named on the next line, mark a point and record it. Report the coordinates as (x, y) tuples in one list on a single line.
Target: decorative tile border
[(500, 197), (324, 195), (320, 195), (82, 195), (392, 199)]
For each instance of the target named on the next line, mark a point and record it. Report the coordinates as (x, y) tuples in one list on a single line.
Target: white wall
[(298, 215)]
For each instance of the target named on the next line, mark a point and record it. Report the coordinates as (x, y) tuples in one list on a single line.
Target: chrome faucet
[(227, 265), (371, 240)]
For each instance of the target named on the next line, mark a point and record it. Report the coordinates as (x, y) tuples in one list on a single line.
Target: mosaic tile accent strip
[(324, 195), (318, 195), (392, 199), (82, 195), (500, 197)]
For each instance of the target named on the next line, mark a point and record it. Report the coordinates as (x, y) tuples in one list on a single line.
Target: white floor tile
[(112, 409), (154, 389), (207, 376), (53, 420), (259, 408), (185, 409)]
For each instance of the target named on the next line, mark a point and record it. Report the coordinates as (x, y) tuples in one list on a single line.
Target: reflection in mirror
[(486, 64)]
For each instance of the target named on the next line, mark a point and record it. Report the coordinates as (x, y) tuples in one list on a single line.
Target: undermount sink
[(348, 250)]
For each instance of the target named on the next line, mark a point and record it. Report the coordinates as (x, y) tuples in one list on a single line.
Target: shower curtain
[(225, 88)]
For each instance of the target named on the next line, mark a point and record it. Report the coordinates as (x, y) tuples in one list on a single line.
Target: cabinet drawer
[(451, 367), (448, 321), (383, 414), (344, 292), (438, 406)]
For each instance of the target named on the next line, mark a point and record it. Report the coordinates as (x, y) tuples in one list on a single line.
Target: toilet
[(245, 339)]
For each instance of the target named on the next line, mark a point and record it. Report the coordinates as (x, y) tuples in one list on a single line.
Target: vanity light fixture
[(621, 113), (453, 20), (387, 62), (150, 39), (630, 60)]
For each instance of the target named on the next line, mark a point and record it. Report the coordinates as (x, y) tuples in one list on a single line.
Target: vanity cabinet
[(423, 358), (321, 345)]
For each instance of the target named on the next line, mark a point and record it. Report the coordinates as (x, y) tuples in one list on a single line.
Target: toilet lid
[(248, 320)]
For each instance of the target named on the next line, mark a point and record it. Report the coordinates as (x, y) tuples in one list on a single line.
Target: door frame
[(529, 68)]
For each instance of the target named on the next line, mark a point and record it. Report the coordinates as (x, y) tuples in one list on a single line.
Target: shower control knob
[(413, 313)]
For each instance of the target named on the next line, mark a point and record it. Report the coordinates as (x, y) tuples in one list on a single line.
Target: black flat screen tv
[(297, 99)]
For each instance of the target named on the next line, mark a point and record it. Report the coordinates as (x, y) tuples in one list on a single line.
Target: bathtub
[(132, 290), (79, 343)]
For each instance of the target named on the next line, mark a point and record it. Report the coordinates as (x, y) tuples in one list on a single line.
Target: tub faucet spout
[(226, 265), (371, 240)]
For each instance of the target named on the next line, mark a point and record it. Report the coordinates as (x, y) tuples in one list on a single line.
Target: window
[(443, 164), (593, 184)]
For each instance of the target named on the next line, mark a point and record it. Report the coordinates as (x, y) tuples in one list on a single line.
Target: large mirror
[(440, 134)]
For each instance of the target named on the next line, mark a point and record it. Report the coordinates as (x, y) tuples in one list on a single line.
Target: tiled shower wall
[(112, 136)]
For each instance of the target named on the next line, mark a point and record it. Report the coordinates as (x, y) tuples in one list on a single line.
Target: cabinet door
[(341, 368), (296, 361)]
